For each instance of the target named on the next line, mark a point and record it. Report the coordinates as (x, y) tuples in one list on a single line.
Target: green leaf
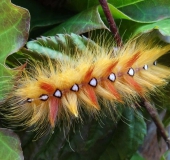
[(143, 11), (42, 16), (87, 20), (116, 13), (131, 29), (137, 156), (84, 141), (148, 11), (85, 4), (10, 147), (165, 155), (161, 26), (128, 136), (166, 119), (93, 19), (83, 22), (60, 45), (14, 27), (14, 32), (123, 3)]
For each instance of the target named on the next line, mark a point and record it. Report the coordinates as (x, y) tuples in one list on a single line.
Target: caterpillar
[(52, 90)]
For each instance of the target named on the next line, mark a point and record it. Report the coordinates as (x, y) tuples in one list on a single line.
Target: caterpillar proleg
[(53, 89)]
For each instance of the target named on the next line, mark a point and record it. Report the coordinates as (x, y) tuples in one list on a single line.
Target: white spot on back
[(75, 88), (145, 67), (112, 77), (155, 63), (131, 72), (44, 97), (93, 82), (58, 93), (29, 100)]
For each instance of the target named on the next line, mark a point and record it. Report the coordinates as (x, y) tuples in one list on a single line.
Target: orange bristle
[(53, 110), (89, 91), (132, 60), (109, 86), (134, 84), (47, 87)]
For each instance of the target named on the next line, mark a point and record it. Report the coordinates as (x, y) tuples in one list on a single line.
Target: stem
[(155, 117), (111, 22)]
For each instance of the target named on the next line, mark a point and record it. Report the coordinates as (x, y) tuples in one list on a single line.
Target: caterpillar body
[(59, 89)]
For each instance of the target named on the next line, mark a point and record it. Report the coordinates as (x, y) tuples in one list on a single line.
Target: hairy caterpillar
[(53, 89)]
